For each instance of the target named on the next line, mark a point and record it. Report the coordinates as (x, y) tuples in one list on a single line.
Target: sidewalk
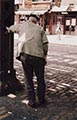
[(65, 39), (61, 86)]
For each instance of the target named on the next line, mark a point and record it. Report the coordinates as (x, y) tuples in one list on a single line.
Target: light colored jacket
[(36, 42)]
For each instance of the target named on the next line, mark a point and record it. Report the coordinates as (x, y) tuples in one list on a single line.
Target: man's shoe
[(42, 102), (31, 104)]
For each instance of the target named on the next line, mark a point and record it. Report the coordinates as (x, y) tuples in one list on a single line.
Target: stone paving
[(61, 89)]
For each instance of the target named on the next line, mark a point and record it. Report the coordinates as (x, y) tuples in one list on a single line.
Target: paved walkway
[(65, 39), (61, 86)]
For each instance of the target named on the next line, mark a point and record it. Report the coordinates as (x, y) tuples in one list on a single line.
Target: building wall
[(66, 3)]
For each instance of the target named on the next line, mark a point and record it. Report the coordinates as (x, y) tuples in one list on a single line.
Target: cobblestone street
[(61, 89)]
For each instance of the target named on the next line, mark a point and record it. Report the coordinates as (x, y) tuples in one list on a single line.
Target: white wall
[(64, 2), (18, 1)]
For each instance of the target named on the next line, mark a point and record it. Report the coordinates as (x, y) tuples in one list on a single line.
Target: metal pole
[(8, 80)]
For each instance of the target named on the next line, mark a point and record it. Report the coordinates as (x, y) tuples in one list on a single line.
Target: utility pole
[(8, 80)]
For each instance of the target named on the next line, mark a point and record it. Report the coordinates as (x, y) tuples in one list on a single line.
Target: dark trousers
[(35, 65)]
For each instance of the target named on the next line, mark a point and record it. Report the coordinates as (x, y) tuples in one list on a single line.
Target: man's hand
[(45, 57), (8, 29)]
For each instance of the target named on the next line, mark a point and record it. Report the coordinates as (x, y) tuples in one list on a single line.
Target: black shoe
[(31, 104), (42, 102)]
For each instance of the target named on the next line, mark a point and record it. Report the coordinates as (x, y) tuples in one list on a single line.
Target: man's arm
[(45, 48), (13, 28), (45, 43)]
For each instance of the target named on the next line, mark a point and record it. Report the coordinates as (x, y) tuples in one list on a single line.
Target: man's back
[(34, 42)]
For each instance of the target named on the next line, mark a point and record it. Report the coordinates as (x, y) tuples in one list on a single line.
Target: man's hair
[(35, 16)]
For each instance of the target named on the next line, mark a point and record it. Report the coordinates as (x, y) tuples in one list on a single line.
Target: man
[(58, 30), (34, 57)]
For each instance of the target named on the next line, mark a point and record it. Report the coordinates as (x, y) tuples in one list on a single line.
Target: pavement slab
[(61, 88)]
